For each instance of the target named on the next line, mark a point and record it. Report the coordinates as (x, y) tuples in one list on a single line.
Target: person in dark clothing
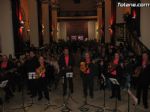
[(5, 68), (114, 71), (19, 75), (41, 73), (50, 75), (144, 80), (31, 66), (102, 73), (86, 70), (66, 66)]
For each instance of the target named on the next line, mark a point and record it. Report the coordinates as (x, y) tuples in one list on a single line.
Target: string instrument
[(40, 72), (111, 67), (83, 67), (137, 71)]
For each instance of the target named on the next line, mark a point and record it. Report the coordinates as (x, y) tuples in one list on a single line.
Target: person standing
[(86, 70), (66, 66), (31, 66), (41, 72), (5, 67), (115, 72), (144, 80)]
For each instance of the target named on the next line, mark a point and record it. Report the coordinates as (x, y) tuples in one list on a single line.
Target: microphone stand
[(64, 106), (128, 87), (104, 108), (116, 84), (128, 103)]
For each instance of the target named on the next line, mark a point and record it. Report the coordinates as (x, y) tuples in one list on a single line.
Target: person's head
[(145, 56), (27, 55), (87, 55), (32, 54), (41, 60), (10, 56), (116, 56), (18, 63), (66, 51), (4, 58), (126, 62), (101, 62)]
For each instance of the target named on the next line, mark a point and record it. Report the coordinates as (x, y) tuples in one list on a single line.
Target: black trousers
[(8, 92), (42, 87), (116, 92), (68, 84), (142, 90), (88, 85), (7, 88), (33, 87)]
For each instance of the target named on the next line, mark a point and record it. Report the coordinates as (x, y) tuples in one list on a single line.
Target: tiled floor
[(74, 103)]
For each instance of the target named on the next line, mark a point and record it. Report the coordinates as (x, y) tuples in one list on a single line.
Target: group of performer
[(39, 74)]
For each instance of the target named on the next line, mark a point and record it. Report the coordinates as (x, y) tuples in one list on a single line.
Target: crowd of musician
[(38, 71)]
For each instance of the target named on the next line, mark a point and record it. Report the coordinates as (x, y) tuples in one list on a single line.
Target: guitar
[(40, 72), (137, 71), (83, 67)]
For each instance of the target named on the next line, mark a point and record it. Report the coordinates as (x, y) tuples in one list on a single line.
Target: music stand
[(116, 84), (70, 75), (23, 107), (104, 108), (64, 106), (3, 85), (32, 76)]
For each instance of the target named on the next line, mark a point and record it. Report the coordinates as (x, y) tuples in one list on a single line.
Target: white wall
[(33, 19), (145, 25), (6, 27)]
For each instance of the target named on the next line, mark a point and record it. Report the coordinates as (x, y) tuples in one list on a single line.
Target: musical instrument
[(84, 68), (40, 72), (111, 67), (137, 71)]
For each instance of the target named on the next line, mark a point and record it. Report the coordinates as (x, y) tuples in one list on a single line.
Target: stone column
[(33, 19), (107, 20), (54, 6), (45, 23), (99, 19)]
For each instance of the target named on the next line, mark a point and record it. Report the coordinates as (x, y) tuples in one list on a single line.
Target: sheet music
[(114, 81), (31, 75), (103, 77), (3, 83), (69, 74)]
